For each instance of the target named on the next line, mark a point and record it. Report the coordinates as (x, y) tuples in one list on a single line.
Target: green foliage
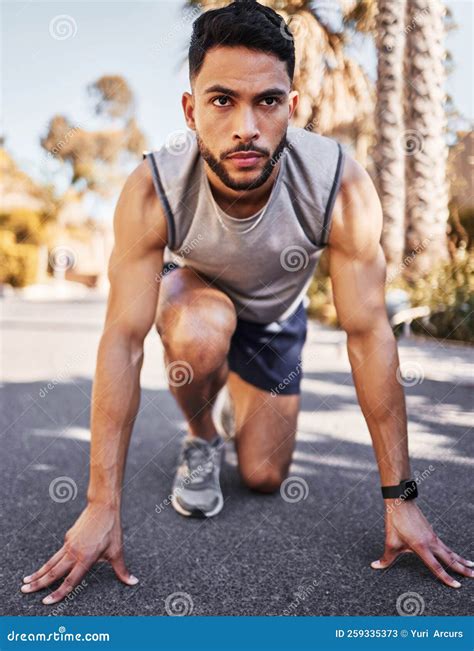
[(321, 306), (448, 291), (18, 262)]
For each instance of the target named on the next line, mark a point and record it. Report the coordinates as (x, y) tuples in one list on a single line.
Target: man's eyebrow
[(217, 88)]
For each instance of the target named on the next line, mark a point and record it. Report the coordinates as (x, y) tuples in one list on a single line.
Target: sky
[(45, 73)]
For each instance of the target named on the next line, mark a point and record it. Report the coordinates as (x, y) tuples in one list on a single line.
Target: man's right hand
[(95, 536)]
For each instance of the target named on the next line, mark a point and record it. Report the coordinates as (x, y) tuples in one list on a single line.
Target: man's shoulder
[(179, 151), (139, 191), (139, 208), (357, 212), (357, 186)]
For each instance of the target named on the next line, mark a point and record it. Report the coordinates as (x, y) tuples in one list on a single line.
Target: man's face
[(240, 109)]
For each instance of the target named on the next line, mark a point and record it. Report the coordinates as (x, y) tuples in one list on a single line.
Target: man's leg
[(195, 322), (265, 433)]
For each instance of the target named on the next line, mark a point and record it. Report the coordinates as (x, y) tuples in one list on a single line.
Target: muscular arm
[(137, 256), (140, 237), (357, 271)]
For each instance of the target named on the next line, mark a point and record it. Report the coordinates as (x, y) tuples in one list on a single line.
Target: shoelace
[(197, 460)]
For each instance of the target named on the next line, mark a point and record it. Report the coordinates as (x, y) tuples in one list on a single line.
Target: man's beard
[(219, 169)]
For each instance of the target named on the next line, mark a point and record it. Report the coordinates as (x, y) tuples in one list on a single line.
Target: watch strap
[(407, 489)]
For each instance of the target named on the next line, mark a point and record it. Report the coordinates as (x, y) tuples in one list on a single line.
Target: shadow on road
[(263, 555)]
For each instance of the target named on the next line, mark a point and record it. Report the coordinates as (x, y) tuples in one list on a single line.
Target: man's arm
[(140, 237), (357, 270), (134, 267)]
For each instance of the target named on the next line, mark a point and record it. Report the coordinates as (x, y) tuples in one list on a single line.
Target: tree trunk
[(425, 138), (388, 155)]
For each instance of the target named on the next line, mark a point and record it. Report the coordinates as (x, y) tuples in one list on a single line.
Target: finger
[(457, 557), (46, 567), (448, 557), (52, 575), (120, 569), (74, 577), (390, 555), (430, 561)]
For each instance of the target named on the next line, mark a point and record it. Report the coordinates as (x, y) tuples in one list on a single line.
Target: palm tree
[(388, 155), (411, 128), (426, 147)]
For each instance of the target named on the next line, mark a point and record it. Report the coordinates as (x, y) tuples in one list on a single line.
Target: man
[(244, 210)]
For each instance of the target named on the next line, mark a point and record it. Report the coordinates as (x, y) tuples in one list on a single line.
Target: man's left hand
[(407, 530)]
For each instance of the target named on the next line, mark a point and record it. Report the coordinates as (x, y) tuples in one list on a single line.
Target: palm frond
[(360, 14)]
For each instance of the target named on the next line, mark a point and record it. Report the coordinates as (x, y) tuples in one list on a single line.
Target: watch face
[(409, 490)]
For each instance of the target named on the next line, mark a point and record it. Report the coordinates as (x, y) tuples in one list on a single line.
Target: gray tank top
[(265, 262)]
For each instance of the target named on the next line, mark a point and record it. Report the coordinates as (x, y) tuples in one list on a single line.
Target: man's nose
[(246, 128)]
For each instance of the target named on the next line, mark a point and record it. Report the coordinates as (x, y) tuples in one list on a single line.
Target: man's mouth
[(245, 158)]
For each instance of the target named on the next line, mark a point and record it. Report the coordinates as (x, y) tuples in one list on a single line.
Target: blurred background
[(89, 86)]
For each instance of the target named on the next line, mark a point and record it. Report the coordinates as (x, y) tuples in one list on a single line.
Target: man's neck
[(240, 203)]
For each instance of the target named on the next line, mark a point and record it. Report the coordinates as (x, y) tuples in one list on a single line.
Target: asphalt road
[(263, 555)]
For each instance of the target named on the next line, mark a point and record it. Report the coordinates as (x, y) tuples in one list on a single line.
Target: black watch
[(407, 489)]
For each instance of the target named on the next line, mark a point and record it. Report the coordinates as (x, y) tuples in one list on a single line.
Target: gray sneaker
[(196, 488)]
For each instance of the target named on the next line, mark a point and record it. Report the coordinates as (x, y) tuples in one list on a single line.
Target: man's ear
[(293, 99), (187, 102)]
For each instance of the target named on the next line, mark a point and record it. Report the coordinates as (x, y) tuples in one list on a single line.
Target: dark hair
[(246, 23)]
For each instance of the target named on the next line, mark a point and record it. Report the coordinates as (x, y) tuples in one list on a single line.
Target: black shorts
[(267, 355)]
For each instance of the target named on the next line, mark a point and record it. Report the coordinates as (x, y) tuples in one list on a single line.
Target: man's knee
[(198, 336), (264, 478)]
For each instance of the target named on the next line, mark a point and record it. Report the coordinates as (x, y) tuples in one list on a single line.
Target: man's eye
[(222, 99), (275, 100)]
